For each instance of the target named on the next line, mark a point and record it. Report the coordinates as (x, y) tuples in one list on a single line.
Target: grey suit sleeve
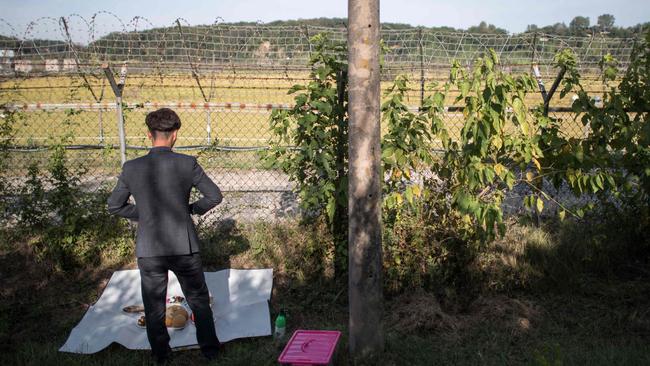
[(211, 193), (118, 202)]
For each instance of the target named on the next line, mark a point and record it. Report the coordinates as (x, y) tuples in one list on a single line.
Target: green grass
[(528, 319)]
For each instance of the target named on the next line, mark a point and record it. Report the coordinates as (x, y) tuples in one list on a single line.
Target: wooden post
[(364, 189)]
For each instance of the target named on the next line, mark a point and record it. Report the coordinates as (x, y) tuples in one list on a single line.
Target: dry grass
[(421, 312)]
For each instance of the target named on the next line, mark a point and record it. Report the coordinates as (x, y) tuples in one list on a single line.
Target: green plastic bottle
[(280, 326)]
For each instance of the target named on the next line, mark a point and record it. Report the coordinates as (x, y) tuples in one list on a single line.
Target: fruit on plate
[(176, 316), (175, 299)]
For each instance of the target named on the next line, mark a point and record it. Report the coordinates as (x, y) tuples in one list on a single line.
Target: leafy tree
[(8, 119), (483, 27), (497, 137), (611, 161), (532, 28), (605, 21), (406, 146), (309, 141), (579, 25), (619, 138), (559, 28)]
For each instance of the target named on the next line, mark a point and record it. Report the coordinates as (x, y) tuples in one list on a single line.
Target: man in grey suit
[(160, 183)]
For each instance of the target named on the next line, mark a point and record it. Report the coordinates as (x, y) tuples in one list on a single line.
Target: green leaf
[(599, 182), (387, 152), (520, 113), (540, 205), (467, 203), (438, 99), (510, 180), (489, 174), (322, 107), (400, 157), (497, 142), (408, 193), (296, 88), (530, 176), (331, 208), (528, 202), (464, 88), (389, 201), (579, 154), (537, 164)]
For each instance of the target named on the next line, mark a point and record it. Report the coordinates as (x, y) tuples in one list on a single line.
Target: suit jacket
[(161, 182)]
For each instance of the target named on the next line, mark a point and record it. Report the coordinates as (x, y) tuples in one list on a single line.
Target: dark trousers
[(153, 277)]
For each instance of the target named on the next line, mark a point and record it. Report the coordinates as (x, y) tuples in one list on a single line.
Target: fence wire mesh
[(223, 80)]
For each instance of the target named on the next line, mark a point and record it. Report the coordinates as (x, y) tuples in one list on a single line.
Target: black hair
[(164, 121)]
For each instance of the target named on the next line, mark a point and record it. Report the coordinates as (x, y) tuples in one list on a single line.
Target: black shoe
[(212, 354), (163, 360)]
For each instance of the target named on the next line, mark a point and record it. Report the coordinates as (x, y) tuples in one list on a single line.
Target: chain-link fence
[(224, 81)]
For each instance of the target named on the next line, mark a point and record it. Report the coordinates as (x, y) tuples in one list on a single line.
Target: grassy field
[(233, 127), (539, 307), (230, 126)]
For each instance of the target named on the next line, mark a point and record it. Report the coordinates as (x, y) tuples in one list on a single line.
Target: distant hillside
[(286, 42), (579, 26), (343, 23)]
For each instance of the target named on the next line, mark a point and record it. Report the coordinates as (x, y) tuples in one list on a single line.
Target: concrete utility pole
[(364, 253)]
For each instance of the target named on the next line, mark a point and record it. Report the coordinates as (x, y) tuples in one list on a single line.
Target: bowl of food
[(176, 316)]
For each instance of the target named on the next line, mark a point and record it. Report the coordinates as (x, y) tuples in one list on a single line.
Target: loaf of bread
[(176, 316)]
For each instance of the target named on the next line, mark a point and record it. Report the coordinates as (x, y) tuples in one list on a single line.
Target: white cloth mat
[(240, 310)]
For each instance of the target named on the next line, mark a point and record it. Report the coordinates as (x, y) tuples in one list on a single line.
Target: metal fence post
[(421, 52), (117, 90), (208, 126), (101, 127), (305, 33), (120, 127)]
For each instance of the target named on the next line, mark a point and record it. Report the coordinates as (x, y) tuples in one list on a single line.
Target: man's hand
[(211, 193), (118, 202)]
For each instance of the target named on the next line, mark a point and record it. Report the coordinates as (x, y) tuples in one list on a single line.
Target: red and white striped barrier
[(229, 106)]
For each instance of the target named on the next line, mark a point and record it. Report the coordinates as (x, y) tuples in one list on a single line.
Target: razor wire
[(224, 80)]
